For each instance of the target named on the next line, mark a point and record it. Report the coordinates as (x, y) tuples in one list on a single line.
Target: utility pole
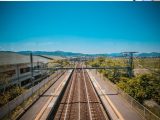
[(31, 62), (130, 63), (18, 72)]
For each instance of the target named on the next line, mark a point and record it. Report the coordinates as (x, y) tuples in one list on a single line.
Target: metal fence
[(14, 108), (142, 110)]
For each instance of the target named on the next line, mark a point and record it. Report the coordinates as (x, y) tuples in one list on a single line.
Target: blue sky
[(86, 27)]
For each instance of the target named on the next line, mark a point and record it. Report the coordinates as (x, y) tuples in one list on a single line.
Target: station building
[(15, 69)]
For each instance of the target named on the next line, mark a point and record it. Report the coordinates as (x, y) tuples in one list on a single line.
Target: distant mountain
[(53, 53), (71, 54), (115, 55), (152, 54)]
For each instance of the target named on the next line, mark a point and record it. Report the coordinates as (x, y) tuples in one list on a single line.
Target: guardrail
[(20, 78), (14, 108), (142, 110), (58, 100)]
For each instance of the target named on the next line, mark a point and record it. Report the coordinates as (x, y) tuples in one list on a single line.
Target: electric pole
[(130, 63), (31, 62)]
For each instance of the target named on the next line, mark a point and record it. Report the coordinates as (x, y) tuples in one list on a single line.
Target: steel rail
[(69, 95), (89, 107)]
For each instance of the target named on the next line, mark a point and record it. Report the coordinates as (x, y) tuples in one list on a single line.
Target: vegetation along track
[(80, 101)]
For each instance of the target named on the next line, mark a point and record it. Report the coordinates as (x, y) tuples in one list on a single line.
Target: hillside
[(72, 54)]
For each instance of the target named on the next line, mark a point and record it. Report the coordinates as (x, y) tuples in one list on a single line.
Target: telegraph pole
[(130, 63), (31, 62)]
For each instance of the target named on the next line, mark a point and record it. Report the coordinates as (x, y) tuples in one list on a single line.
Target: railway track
[(80, 101)]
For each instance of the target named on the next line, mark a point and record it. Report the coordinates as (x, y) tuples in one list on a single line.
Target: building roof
[(14, 58)]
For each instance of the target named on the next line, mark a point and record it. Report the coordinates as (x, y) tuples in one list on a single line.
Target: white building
[(15, 69)]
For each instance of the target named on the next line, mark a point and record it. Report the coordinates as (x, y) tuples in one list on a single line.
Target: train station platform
[(42, 107), (117, 106)]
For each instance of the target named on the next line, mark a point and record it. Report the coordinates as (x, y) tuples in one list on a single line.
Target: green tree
[(142, 87)]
